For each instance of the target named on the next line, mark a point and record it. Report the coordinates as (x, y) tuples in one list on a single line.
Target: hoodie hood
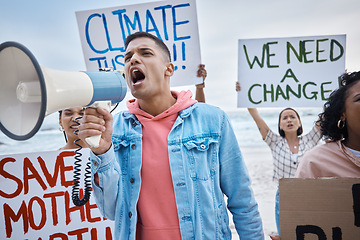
[(183, 101)]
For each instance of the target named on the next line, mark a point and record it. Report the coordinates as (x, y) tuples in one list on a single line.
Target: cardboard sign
[(320, 209), (35, 199), (103, 33), (289, 72)]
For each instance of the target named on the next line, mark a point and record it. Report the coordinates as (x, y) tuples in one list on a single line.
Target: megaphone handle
[(95, 140)]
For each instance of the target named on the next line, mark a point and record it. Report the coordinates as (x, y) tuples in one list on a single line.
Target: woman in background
[(287, 148), (69, 126), (340, 125)]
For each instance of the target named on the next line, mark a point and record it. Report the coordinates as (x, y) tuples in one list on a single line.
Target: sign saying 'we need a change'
[(296, 72), (103, 33)]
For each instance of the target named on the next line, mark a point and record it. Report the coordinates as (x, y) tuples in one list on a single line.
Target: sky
[(49, 30)]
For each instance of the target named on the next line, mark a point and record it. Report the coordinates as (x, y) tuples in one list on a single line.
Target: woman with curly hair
[(340, 125)]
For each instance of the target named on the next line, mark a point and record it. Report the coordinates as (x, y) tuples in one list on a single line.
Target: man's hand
[(97, 121)]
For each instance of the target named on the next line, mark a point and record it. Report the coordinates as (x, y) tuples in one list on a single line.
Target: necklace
[(295, 146)]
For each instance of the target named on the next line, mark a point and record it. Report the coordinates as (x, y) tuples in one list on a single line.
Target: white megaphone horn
[(29, 92)]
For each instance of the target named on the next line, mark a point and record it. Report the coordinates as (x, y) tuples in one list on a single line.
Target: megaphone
[(29, 92)]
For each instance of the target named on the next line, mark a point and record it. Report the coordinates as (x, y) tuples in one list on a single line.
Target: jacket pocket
[(202, 153), (121, 148), (223, 223)]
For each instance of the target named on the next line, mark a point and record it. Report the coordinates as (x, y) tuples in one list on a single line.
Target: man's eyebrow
[(142, 49), (127, 54), (145, 49)]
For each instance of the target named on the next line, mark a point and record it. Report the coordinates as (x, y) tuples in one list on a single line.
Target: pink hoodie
[(158, 217)]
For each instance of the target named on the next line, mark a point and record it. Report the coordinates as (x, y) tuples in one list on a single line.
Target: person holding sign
[(199, 94), (162, 168), (288, 147), (68, 121), (340, 156)]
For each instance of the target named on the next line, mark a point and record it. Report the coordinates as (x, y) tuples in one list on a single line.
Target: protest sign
[(103, 33), (327, 208), (35, 199), (295, 72)]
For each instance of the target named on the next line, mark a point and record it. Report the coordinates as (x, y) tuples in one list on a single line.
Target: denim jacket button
[(95, 163), (202, 146), (133, 146), (130, 214), (132, 180)]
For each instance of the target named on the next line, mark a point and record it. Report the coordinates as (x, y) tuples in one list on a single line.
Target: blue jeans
[(277, 211)]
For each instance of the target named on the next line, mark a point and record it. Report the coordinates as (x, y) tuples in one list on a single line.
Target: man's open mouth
[(137, 76)]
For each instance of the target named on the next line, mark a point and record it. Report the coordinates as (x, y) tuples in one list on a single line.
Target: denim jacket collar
[(182, 114)]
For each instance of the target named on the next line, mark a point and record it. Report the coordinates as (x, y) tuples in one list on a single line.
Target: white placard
[(36, 203), (289, 72), (103, 33)]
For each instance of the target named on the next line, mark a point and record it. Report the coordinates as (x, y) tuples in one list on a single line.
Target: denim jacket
[(206, 164)]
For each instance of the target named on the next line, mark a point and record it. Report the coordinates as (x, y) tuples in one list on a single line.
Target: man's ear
[(169, 71)]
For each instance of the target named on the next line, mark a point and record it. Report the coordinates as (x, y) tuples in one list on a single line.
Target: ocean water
[(49, 137)]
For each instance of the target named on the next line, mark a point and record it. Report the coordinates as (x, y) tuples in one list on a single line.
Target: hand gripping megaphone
[(29, 92)]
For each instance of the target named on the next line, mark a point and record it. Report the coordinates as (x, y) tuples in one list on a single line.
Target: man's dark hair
[(157, 40), (335, 107)]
